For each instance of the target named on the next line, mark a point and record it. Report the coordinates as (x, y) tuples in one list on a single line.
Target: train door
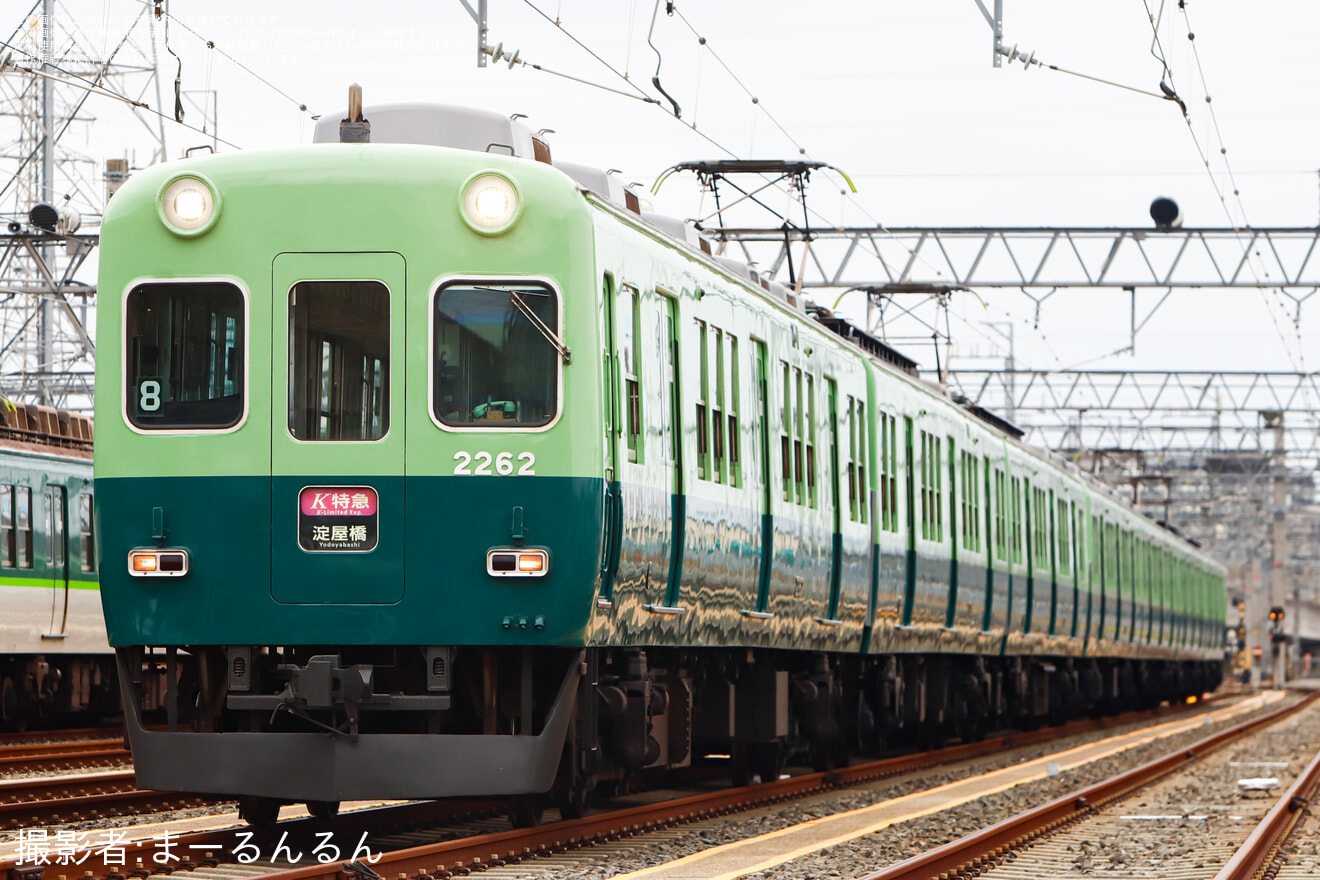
[(337, 444), (620, 404), (1028, 511), (678, 509), (910, 582), (57, 559), (993, 504), (836, 515), (762, 380), (955, 524)]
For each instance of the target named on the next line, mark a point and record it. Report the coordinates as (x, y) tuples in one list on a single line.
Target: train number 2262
[(487, 465)]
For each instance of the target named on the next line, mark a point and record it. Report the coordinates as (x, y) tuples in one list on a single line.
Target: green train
[(55, 662), (458, 473)]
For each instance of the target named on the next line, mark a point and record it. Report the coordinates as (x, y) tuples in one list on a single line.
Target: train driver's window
[(496, 355), (7, 546), (339, 360), (184, 353)]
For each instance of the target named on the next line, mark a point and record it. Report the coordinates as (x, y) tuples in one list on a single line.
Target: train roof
[(465, 128)]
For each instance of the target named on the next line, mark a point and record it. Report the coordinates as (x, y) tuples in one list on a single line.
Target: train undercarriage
[(552, 725), (37, 689)]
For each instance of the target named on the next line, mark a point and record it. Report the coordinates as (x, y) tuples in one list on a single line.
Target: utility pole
[(1278, 592), (47, 194)]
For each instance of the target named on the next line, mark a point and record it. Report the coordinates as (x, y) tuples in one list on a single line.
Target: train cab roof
[(442, 125)]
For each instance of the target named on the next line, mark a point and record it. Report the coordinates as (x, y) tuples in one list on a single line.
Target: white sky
[(902, 96)]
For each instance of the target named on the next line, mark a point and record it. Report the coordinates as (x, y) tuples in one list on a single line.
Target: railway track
[(74, 754), (1098, 829), (50, 737), (484, 845), (34, 801)]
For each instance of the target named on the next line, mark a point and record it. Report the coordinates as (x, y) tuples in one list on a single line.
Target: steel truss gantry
[(1166, 412), (52, 193), (889, 261)]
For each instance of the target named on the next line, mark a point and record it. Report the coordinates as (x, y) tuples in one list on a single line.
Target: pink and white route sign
[(338, 519)]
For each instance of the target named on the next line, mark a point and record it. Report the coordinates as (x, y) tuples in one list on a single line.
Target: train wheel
[(9, 709), (323, 809), (753, 760), (526, 810), (259, 812)]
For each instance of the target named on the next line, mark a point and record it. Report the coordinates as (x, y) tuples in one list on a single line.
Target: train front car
[(348, 466)]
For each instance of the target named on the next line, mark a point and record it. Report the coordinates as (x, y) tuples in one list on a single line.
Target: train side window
[(184, 356), (809, 436), (1041, 536), (339, 360), (862, 456), (703, 392), (732, 439), (798, 483), (1061, 537), (786, 434), (932, 488), (7, 546), (925, 486), (1015, 514), (850, 468), (632, 370), (703, 407), (86, 538), (971, 502), (887, 441), (23, 526), (717, 410), (495, 355), (1001, 517)]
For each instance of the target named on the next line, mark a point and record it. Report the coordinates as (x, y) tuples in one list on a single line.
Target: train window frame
[(702, 403), (389, 369), (8, 534), (517, 280), (25, 559), (87, 532), (190, 430)]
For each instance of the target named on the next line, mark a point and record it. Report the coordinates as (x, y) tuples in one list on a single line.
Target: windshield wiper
[(521, 305)]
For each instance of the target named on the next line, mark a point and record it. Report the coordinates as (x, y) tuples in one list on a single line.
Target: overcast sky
[(902, 96)]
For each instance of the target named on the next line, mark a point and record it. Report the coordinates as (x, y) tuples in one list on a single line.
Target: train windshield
[(495, 358), (184, 347)]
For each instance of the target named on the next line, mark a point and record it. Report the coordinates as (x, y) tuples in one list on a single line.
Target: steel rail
[(1260, 854), (440, 861), (475, 852), (69, 760), (991, 845), (53, 737)]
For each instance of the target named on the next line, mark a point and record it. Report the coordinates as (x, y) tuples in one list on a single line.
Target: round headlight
[(189, 205), (490, 203)]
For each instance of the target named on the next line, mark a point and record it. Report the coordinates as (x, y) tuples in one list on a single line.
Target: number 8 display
[(150, 395)]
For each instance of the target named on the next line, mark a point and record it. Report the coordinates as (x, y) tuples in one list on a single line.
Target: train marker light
[(517, 562), (189, 205), (158, 563), (490, 203)]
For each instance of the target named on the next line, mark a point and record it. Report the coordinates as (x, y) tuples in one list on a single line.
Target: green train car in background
[(457, 473), (55, 662)]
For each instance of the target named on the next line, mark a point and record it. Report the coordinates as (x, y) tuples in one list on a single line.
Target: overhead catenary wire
[(1228, 165), (211, 45), (71, 78), (1157, 51)]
